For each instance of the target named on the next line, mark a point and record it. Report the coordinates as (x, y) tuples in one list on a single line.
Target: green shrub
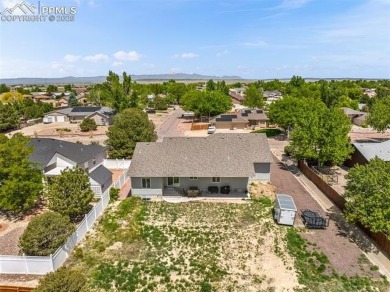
[(63, 130), (114, 194), (288, 150), (45, 233), (63, 280), (88, 124)]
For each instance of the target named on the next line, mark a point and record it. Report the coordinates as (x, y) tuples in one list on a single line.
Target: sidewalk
[(124, 192)]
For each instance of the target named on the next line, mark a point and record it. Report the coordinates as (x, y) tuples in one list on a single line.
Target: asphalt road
[(169, 127)]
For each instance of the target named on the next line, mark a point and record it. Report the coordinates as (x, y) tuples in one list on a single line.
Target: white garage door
[(60, 119)]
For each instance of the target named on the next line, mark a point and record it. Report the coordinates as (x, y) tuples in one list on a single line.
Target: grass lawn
[(268, 132), (158, 246)]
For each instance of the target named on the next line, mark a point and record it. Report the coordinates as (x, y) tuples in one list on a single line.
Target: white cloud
[(71, 58), (149, 65), (222, 53), (185, 56), (96, 58), (127, 56), (117, 64)]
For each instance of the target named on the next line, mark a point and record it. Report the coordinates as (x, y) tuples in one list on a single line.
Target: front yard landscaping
[(203, 246)]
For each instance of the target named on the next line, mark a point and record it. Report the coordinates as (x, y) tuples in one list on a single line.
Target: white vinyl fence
[(117, 163), (41, 265)]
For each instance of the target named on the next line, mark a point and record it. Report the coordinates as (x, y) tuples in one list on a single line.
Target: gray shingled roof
[(100, 174), (370, 150), (45, 148), (84, 111), (223, 155)]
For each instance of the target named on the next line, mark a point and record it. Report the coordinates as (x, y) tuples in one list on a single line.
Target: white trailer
[(285, 210)]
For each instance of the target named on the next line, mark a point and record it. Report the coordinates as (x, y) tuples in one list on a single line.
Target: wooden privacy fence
[(199, 126), (379, 238), (41, 265)]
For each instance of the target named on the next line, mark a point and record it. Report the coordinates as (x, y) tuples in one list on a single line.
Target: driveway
[(340, 242)]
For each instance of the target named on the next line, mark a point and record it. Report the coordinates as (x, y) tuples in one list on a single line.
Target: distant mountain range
[(99, 79)]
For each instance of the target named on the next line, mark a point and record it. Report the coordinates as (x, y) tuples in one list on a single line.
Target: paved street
[(169, 127)]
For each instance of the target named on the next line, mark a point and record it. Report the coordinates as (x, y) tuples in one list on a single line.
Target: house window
[(173, 181), (193, 177), (216, 179), (146, 183)]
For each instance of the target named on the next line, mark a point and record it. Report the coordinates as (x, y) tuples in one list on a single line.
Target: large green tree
[(321, 134), (70, 193), (4, 88), (368, 195), (206, 103), (9, 118), (129, 127), (45, 234), (210, 85), (379, 114), (253, 97), (20, 181), (51, 88), (285, 112), (334, 143)]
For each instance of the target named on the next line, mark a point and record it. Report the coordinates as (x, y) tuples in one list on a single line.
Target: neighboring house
[(371, 92), (101, 115), (241, 120), (52, 156), (272, 96), (62, 102), (356, 117), (239, 90), (364, 152), (236, 98), (220, 163)]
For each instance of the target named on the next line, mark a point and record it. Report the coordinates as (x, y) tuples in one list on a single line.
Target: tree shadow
[(351, 231)]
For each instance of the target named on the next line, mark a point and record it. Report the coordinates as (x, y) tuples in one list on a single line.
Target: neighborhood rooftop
[(45, 148), (218, 155), (370, 150)]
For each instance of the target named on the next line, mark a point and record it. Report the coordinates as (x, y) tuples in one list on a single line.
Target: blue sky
[(250, 38)]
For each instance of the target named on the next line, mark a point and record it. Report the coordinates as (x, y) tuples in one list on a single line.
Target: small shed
[(285, 209)]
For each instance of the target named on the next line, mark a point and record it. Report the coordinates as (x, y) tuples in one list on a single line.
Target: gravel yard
[(9, 234)]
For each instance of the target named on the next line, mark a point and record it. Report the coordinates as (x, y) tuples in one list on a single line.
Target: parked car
[(211, 130)]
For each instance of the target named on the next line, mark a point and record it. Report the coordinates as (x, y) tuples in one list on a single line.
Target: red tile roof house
[(221, 165)]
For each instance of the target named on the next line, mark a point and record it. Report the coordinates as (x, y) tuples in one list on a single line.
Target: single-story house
[(364, 152), (101, 114), (52, 156), (357, 117), (241, 120), (220, 164)]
